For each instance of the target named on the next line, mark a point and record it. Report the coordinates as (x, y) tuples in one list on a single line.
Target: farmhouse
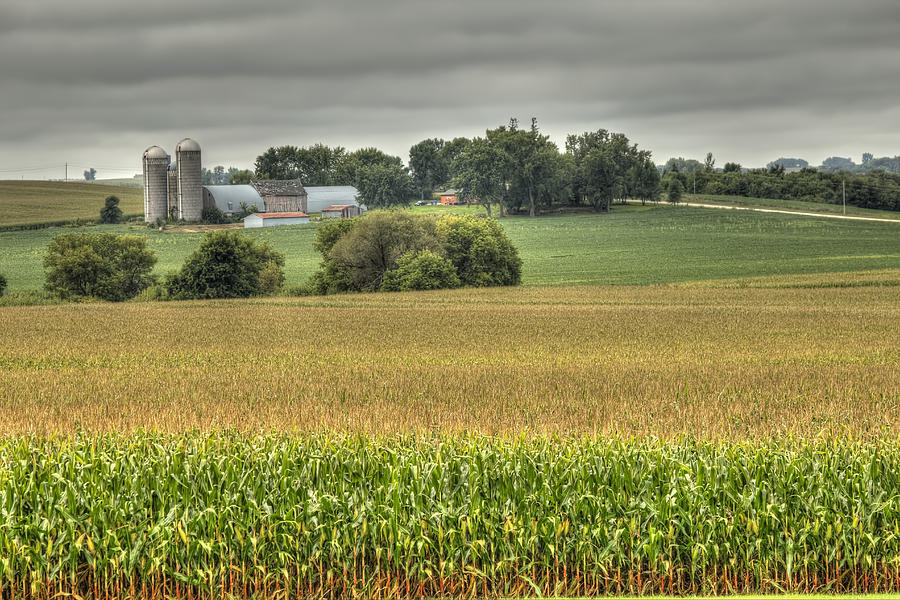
[(275, 218)]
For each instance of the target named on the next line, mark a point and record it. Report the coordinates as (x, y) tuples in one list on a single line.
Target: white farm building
[(273, 219)]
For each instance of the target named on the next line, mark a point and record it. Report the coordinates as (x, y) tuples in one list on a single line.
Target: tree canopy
[(394, 250), (428, 165), (228, 264), (111, 213), (510, 167), (100, 265)]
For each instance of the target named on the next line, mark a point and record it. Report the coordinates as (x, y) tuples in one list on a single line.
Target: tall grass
[(412, 517)]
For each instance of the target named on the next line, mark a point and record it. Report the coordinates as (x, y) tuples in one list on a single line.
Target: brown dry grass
[(661, 361)]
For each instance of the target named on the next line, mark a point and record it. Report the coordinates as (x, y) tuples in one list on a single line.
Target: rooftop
[(279, 187), (338, 207), (188, 145), (281, 215)]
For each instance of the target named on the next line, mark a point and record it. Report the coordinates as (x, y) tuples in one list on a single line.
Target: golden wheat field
[(667, 361)]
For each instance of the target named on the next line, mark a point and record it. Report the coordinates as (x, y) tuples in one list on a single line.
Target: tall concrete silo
[(190, 189), (156, 166)]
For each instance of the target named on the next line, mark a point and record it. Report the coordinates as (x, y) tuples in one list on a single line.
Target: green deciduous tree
[(228, 264), (102, 265), (367, 253), (644, 180), (606, 166), (675, 190), (2, 284), (111, 213), (533, 166), (382, 185), (374, 245), (480, 251), (480, 172), (242, 177), (314, 165), (422, 270), (684, 165), (428, 166)]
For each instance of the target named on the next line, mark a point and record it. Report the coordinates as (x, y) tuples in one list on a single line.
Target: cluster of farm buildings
[(176, 190)]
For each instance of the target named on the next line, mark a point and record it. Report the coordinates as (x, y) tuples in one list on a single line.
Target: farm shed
[(228, 198), (341, 211), (449, 197), (281, 195), (273, 219), (321, 197)]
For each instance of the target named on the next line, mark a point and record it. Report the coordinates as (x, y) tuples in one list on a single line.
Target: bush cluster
[(399, 251), (228, 264), (98, 265)]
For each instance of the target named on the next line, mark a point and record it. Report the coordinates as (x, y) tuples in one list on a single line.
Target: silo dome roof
[(188, 145), (155, 152)]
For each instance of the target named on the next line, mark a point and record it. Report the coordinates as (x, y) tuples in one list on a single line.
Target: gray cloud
[(96, 82)]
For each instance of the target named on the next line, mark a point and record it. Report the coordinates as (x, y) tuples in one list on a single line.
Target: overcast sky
[(95, 82)]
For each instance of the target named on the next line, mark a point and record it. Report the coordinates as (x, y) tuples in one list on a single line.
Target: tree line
[(876, 189), (513, 168)]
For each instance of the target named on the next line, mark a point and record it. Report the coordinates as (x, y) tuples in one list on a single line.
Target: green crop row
[(208, 515)]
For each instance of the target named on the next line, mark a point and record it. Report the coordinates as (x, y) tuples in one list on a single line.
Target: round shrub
[(228, 264), (99, 265), (423, 270), (480, 250)]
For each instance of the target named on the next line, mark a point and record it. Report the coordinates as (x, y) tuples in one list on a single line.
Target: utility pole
[(67, 173), (844, 194)]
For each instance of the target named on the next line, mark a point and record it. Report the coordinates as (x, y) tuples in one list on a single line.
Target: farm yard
[(558, 438)]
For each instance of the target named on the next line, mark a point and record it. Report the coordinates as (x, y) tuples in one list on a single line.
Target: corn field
[(276, 516), (658, 361)]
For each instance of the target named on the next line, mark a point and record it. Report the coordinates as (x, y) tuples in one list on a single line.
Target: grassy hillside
[(122, 181), (23, 202), (632, 246)]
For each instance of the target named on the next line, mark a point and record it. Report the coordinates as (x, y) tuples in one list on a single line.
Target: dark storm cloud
[(96, 82)]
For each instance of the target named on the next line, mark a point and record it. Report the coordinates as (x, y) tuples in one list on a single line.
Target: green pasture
[(633, 245), (795, 205)]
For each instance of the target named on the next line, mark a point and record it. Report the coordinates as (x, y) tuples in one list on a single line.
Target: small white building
[(275, 218)]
